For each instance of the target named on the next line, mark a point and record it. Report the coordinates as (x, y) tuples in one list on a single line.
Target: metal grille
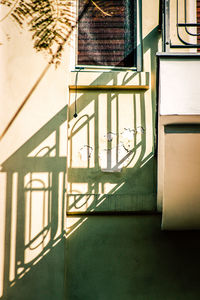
[(187, 32)]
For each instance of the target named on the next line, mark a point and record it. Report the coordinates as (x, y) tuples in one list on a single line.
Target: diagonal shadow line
[(73, 132), (130, 153), (37, 138), (80, 16), (125, 81), (143, 137), (53, 124), (104, 78), (25, 100), (111, 192), (149, 42), (44, 131), (40, 255)]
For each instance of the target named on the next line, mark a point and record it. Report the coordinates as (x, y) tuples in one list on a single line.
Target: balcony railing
[(180, 24)]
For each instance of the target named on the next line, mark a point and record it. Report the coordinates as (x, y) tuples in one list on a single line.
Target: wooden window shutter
[(107, 33)]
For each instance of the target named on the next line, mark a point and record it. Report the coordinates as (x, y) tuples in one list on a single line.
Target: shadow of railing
[(114, 154), (35, 182), (35, 212)]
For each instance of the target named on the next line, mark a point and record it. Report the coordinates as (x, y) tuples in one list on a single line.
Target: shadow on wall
[(35, 181), (111, 164), (129, 257), (111, 160), (34, 215)]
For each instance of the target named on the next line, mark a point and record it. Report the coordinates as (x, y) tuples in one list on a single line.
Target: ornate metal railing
[(184, 32)]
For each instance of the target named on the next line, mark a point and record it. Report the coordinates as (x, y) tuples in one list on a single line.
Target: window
[(107, 33)]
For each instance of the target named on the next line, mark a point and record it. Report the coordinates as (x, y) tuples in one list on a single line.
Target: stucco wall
[(178, 105), (111, 147), (33, 168), (111, 143), (129, 257), (33, 154)]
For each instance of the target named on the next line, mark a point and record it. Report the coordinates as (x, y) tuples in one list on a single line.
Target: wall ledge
[(109, 80), (106, 87)]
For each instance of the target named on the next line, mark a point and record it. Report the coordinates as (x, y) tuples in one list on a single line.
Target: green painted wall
[(129, 257)]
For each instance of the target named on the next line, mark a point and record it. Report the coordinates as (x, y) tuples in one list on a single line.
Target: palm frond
[(50, 21)]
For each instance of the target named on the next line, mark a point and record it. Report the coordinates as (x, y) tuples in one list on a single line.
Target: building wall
[(33, 168), (178, 154), (36, 177), (112, 141), (129, 257)]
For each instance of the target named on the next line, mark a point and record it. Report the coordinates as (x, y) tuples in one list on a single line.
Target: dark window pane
[(107, 33)]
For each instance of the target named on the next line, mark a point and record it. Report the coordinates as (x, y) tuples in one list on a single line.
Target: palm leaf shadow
[(51, 22)]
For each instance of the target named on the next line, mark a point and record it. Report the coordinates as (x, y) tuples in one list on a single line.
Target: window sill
[(110, 87), (122, 80), (103, 68)]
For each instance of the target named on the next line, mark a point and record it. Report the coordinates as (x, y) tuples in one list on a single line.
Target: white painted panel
[(180, 86)]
